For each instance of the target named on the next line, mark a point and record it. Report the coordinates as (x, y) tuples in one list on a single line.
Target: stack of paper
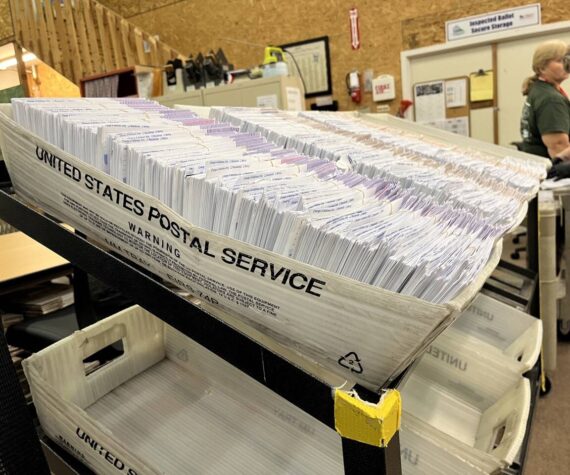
[(42, 300), (384, 209), (477, 182), (8, 319)]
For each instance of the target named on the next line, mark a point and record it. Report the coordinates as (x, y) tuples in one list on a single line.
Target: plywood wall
[(243, 27), (49, 83), (428, 28), (6, 30)]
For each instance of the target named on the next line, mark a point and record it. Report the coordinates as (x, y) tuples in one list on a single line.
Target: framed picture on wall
[(311, 60)]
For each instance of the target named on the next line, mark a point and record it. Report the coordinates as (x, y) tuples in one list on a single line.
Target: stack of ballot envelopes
[(352, 243)]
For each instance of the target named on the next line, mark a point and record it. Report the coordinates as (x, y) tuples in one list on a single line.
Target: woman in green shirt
[(545, 121)]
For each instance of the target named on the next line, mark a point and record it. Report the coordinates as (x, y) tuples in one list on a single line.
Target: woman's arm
[(558, 145)]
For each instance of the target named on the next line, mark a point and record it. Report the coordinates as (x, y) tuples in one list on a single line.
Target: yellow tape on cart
[(373, 424)]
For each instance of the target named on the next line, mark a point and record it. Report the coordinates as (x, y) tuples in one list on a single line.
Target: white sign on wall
[(429, 101), (383, 88), (456, 92), (510, 19)]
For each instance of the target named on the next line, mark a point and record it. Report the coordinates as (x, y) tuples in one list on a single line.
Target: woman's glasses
[(566, 63)]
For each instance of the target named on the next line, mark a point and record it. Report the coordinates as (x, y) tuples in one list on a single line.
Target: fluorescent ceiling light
[(8, 63)]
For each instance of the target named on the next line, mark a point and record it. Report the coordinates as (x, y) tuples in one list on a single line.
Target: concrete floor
[(549, 444)]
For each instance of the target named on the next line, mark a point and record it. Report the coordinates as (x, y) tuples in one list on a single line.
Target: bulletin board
[(444, 103)]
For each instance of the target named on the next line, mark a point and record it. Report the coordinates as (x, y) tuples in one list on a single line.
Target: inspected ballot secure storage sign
[(518, 17)]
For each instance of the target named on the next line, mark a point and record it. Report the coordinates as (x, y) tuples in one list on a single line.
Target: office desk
[(25, 262)]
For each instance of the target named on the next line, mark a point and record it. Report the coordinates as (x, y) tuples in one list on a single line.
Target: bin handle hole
[(103, 357), (498, 434)]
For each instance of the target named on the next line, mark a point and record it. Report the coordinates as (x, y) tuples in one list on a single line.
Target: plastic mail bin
[(464, 411), (501, 329), (169, 406)]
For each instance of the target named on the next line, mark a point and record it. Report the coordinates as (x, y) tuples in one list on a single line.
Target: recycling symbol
[(351, 361), (182, 355)]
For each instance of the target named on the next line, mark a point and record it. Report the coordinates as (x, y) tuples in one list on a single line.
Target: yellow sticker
[(373, 424)]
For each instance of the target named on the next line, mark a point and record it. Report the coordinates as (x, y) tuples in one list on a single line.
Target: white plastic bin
[(464, 411), (169, 406), (427, 451), (467, 370), (500, 329)]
